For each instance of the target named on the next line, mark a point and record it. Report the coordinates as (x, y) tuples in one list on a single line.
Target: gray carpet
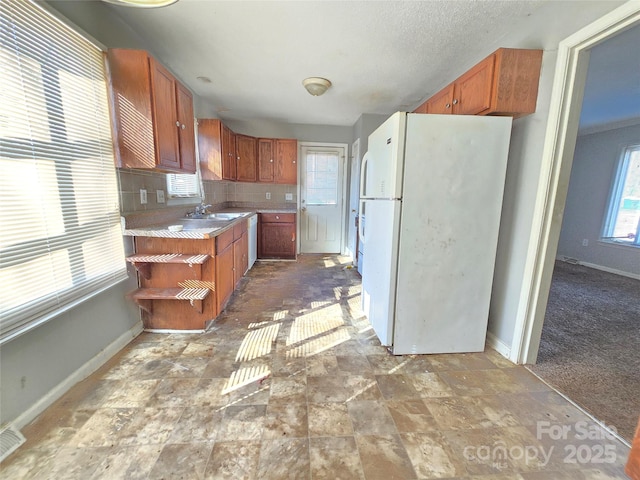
[(590, 348)]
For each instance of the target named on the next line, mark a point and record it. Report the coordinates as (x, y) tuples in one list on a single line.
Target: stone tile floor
[(291, 383)]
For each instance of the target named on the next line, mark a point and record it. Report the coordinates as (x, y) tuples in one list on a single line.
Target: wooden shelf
[(142, 262), (144, 296)]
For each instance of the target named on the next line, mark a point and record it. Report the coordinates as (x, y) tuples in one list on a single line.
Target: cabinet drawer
[(224, 240), (278, 217), (239, 228)]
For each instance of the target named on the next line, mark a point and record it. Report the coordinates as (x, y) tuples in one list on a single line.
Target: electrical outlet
[(268, 195), (288, 196), (143, 196), (160, 196), (585, 242)]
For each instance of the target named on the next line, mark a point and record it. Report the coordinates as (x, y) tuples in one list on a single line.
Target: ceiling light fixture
[(316, 86), (141, 3)]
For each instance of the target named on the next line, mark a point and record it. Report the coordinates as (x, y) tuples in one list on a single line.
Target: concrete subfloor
[(291, 383)]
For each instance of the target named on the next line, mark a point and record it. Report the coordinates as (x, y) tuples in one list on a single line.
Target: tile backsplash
[(219, 194)]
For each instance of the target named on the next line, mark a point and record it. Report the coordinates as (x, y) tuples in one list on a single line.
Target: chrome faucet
[(199, 210)]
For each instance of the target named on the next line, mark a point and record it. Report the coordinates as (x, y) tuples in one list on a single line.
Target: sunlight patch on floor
[(355, 307), (322, 303), (318, 345), (328, 262), (257, 343), (315, 323), (245, 376)]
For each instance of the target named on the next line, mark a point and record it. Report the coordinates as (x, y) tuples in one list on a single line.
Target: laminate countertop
[(198, 228)]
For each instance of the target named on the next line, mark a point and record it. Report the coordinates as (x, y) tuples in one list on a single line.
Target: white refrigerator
[(431, 190)]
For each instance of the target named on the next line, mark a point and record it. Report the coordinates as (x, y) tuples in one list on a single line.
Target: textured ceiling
[(612, 91), (381, 56)]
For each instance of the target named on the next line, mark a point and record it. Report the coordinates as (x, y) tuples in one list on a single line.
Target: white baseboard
[(498, 345), (600, 267), (80, 374)]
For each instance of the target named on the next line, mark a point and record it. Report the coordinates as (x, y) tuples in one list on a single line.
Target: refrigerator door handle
[(361, 222), (363, 175)]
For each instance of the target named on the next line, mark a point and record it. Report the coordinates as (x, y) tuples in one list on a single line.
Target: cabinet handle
[(183, 127), (448, 105), (293, 237), (271, 161), (277, 217), (238, 157), (455, 101), (294, 161)]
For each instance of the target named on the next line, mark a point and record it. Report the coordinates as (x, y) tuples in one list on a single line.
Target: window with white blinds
[(183, 185), (188, 185), (60, 237)]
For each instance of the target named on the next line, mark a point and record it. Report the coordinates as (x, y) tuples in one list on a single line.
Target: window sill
[(614, 243)]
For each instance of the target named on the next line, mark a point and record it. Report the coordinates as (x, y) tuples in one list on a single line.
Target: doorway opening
[(322, 191), (563, 149)]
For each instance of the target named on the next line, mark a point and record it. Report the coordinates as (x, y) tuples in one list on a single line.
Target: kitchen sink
[(217, 216), (190, 224)]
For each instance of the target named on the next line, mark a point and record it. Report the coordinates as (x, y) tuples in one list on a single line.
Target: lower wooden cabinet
[(240, 252), (225, 282), (277, 235)]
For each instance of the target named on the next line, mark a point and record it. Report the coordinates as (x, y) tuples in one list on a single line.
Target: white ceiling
[(612, 91), (381, 56)]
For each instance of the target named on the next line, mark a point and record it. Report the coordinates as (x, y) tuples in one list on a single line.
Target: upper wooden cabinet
[(230, 168), (215, 150), (225, 155), (246, 159), (504, 83), (286, 161), (152, 114), (440, 102), (266, 159), (278, 160)]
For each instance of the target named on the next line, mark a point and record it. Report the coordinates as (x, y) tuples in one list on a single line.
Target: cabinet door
[(441, 101), (472, 93), (286, 170), (228, 154), (278, 240), (130, 91), (266, 155), (224, 277), (186, 135), (422, 108), (165, 117), (210, 148), (246, 166), (240, 258)]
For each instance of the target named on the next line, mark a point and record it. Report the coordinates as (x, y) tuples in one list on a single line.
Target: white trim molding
[(561, 134), (498, 345), (80, 374)]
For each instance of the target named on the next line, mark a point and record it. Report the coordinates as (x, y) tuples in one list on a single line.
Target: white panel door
[(321, 202)]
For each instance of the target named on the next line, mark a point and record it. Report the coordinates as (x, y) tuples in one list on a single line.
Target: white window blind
[(60, 238), (183, 185)]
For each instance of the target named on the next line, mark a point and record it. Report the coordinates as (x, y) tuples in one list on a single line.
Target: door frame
[(553, 183), (343, 207), (354, 158)]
